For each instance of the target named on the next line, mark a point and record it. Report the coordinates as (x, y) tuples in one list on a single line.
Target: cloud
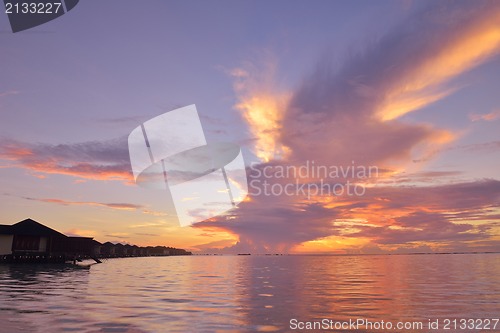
[(384, 216), (215, 246), (353, 113), (491, 146), (96, 160), (118, 235), (445, 213), (127, 120), (80, 233), (451, 39), (148, 225), (145, 234), (9, 92), (261, 104), (154, 213), (423, 177), (356, 114), (493, 115), (418, 226), (119, 206), (112, 205), (485, 146)]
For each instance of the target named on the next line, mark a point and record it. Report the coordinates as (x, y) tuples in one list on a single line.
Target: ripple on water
[(250, 294)]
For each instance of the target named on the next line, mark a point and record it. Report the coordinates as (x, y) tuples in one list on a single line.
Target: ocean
[(295, 293)]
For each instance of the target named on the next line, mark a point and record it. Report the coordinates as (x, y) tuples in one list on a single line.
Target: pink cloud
[(493, 115), (106, 160)]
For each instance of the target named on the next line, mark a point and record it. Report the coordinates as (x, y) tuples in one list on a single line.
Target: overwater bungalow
[(30, 241), (108, 250)]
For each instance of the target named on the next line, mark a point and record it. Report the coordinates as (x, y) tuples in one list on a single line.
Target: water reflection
[(246, 293), (390, 288), (44, 292)]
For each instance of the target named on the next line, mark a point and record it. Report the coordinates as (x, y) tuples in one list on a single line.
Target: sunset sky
[(411, 87)]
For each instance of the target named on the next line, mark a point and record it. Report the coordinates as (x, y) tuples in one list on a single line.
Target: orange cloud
[(331, 244), (473, 40), (262, 106), (80, 232)]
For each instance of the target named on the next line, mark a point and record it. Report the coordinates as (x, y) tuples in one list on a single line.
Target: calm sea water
[(248, 293)]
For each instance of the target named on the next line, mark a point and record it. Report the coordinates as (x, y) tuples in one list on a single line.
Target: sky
[(409, 88)]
